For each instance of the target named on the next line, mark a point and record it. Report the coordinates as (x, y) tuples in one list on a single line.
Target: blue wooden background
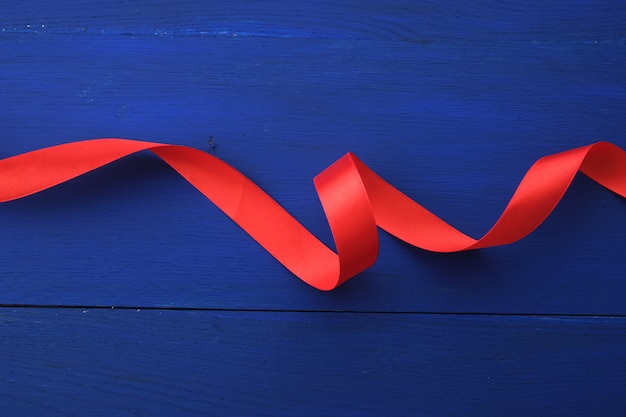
[(126, 293)]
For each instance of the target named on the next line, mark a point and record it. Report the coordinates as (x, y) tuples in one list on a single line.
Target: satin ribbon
[(355, 200)]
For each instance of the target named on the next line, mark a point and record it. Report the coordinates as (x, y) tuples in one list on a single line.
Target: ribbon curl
[(355, 200)]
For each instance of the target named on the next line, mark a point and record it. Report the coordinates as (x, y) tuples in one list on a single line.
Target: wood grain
[(454, 127), (398, 20), (451, 101), (73, 362)]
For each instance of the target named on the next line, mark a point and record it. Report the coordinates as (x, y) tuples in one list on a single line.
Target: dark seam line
[(262, 310)]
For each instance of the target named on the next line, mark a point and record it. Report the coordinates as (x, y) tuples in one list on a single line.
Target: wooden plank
[(66, 362), (406, 20), (453, 125)]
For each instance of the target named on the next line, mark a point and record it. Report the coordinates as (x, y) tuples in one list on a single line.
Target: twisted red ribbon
[(354, 198)]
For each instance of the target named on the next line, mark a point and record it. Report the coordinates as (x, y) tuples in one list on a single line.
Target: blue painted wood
[(60, 362), (450, 101), (454, 126), (398, 20)]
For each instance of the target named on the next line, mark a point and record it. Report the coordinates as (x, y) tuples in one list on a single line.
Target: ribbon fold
[(355, 200)]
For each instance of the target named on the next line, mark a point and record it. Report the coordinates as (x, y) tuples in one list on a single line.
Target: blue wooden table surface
[(126, 293)]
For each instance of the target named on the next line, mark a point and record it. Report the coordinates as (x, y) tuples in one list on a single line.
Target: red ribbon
[(354, 198)]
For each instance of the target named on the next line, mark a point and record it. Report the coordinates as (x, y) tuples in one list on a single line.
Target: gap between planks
[(322, 311)]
